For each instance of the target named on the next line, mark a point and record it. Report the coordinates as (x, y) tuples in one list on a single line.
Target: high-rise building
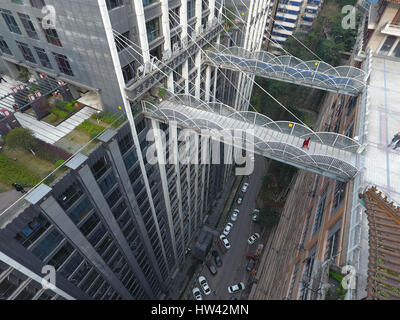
[(113, 225), (288, 17), (326, 230)]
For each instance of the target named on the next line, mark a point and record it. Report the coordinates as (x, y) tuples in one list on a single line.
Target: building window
[(153, 29), (69, 196), (319, 214), (63, 64), (107, 183), (80, 211), (129, 71), (129, 160), (10, 21), (339, 194), (396, 51), (43, 58), (4, 47), (100, 167), (125, 143), (62, 254), (51, 35), (121, 41), (387, 45), (28, 25), (190, 9), (89, 224), (148, 2), (47, 245), (111, 4), (32, 231), (26, 52), (349, 130), (332, 243), (174, 18), (37, 3), (114, 197)]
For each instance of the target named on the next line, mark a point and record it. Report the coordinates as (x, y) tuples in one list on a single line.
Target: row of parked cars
[(217, 258)]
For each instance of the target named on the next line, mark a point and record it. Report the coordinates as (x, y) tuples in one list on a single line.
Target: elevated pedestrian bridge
[(316, 74), (330, 154)]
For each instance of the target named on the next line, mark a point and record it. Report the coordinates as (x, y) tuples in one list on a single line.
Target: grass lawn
[(74, 140), (12, 171), (34, 164)]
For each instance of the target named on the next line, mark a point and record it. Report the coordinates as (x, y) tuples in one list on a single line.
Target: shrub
[(69, 107), (62, 104), (21, 138), (11, 171), (52, 118), (60, 153), (92, 129), (59, 113), (59, 162)]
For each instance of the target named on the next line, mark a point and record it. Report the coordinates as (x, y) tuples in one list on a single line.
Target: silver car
[(197, 294)]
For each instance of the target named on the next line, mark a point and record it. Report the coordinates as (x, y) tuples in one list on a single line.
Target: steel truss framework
[(316, 74), (330, 154)]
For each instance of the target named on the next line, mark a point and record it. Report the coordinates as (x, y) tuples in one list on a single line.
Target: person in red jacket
[(306, 143)]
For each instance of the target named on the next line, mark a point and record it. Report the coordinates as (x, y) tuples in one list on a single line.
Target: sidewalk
[(215, 220)]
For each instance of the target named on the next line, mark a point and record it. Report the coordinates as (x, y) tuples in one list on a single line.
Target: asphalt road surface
[(234, 262)]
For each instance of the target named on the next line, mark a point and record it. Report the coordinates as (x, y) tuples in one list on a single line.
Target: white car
[(227, 229), (204, 285), (236, 288), (253, 238), (235, 214), (245, 186), (239, 200), (252, 158), (197, 294), (225, 241)]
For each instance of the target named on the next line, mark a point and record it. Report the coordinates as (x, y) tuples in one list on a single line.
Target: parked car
[(239, 200), (225, 241), (217, 258), (250, 265), (245, 186), (197, 294), (256, 212), (204, 285), (228, 228), (252, 157), (211, 267), (236, 288), (253, 238), (235, 214)]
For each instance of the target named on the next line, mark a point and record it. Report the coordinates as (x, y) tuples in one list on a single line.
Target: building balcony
[(391, 30)]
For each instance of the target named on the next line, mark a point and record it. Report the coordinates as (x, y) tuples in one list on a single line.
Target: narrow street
[(234, 262)]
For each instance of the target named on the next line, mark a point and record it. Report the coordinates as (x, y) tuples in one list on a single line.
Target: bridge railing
[(286, 67), (331, 139), (318, 160)]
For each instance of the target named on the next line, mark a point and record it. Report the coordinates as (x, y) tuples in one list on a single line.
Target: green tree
[(23, 74), (268, 217), (21, 138)]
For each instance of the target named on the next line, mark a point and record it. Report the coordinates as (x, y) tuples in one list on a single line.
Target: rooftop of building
[(382, 163)]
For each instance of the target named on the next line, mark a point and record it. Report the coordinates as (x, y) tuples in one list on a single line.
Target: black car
[(217, 258), (211, 267)]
